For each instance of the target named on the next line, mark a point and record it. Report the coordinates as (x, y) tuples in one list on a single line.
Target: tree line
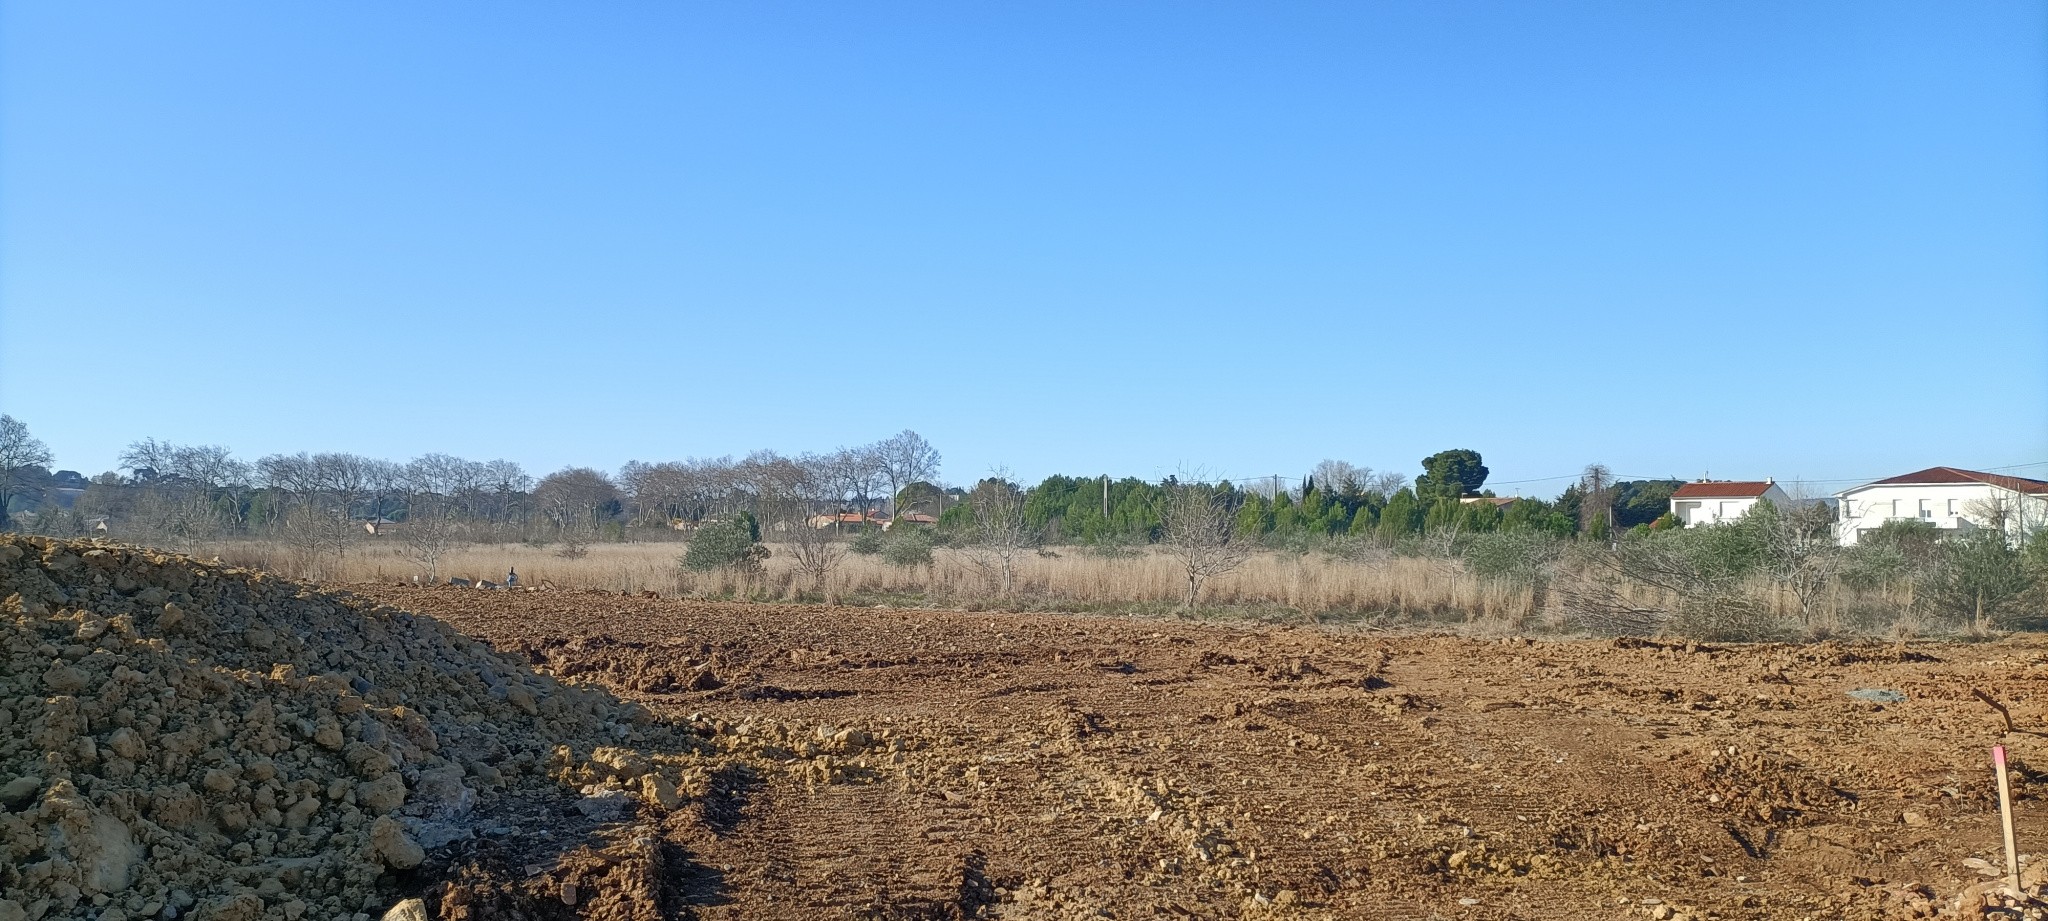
[(183, 494)]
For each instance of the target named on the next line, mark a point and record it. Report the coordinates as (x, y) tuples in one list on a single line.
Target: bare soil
[(913, 764)]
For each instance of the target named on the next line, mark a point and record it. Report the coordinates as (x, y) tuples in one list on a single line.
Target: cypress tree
[(1362, 521), (1397, 520)]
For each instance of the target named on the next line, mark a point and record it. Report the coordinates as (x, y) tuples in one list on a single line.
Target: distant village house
[(1705, 502), (1950, 499)]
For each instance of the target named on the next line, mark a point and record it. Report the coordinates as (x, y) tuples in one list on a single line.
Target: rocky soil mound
[(183, 740)]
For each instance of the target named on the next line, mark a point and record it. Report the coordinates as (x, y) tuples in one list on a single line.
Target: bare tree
[(816, 553), (903, 459), (577, 500), (508, 490), (1198, 529), (1001, 534), (1386, 484), (856, 476), (434, 486), (1335, 476), (318, 496), (20, 452), (2009, 512), (197, 488), (1800, 552)]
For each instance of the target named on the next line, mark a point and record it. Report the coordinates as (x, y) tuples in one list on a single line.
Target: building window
[(1927, 508), (1952, 506)]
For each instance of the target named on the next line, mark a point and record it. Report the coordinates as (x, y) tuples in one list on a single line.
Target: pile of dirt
[(183, 740)]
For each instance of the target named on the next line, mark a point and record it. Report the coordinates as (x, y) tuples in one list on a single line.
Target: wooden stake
[(2012, 852)]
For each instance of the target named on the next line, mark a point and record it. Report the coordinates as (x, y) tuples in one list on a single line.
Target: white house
[(1704, 502), (1948, 498)]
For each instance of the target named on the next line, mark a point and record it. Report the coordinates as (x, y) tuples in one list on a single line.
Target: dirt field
[(1044, 766)]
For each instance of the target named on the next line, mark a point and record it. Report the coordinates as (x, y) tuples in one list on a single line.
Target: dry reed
[(1311, 584)]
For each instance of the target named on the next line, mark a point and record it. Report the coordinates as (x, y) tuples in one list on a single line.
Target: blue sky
[(1797, 240)]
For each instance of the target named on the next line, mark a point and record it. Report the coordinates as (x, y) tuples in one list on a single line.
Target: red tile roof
[(1725, 489), (1941, 475)]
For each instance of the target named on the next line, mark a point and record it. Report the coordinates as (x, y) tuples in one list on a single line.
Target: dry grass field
[(1066, 578)]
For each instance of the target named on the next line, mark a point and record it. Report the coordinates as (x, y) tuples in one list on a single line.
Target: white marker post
[(2012, 852)]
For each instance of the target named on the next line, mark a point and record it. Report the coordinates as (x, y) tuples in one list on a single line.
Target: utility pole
[(1105, 497)]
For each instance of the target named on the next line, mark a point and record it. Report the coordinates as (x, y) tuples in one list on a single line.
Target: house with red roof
[(1949, 498), (1704, 502)]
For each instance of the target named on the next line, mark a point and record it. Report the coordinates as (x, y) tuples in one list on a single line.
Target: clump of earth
[(188, 740)]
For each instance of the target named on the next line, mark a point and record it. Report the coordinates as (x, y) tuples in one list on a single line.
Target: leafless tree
[(1198, 529), (816, 553), (903, 459), (2008, 512), (435, 486), (1800, 552), (576, 500), (174, 491), (1002, 536), (1386, 484), (20, 452), (318, 497), (1337, 477), (856, 475)]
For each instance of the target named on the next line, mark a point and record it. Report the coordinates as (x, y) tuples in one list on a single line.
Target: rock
[(219, 781), (63, 679), (660, 791), (99, 846), (1914, 819), (20, 790), (604, 804), (243, 906), (383, 795), (393, 846), (126, 743), (11, 910), (523, 699), (301, 813), (367, 762), (408, 910)]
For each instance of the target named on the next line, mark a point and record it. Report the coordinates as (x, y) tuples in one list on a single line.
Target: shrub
[(728, 544), (1512, 557), (866, 543), (909, 546), (1982, 581)]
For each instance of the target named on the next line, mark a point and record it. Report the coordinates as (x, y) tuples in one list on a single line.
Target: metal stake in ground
[(2012, 853)]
